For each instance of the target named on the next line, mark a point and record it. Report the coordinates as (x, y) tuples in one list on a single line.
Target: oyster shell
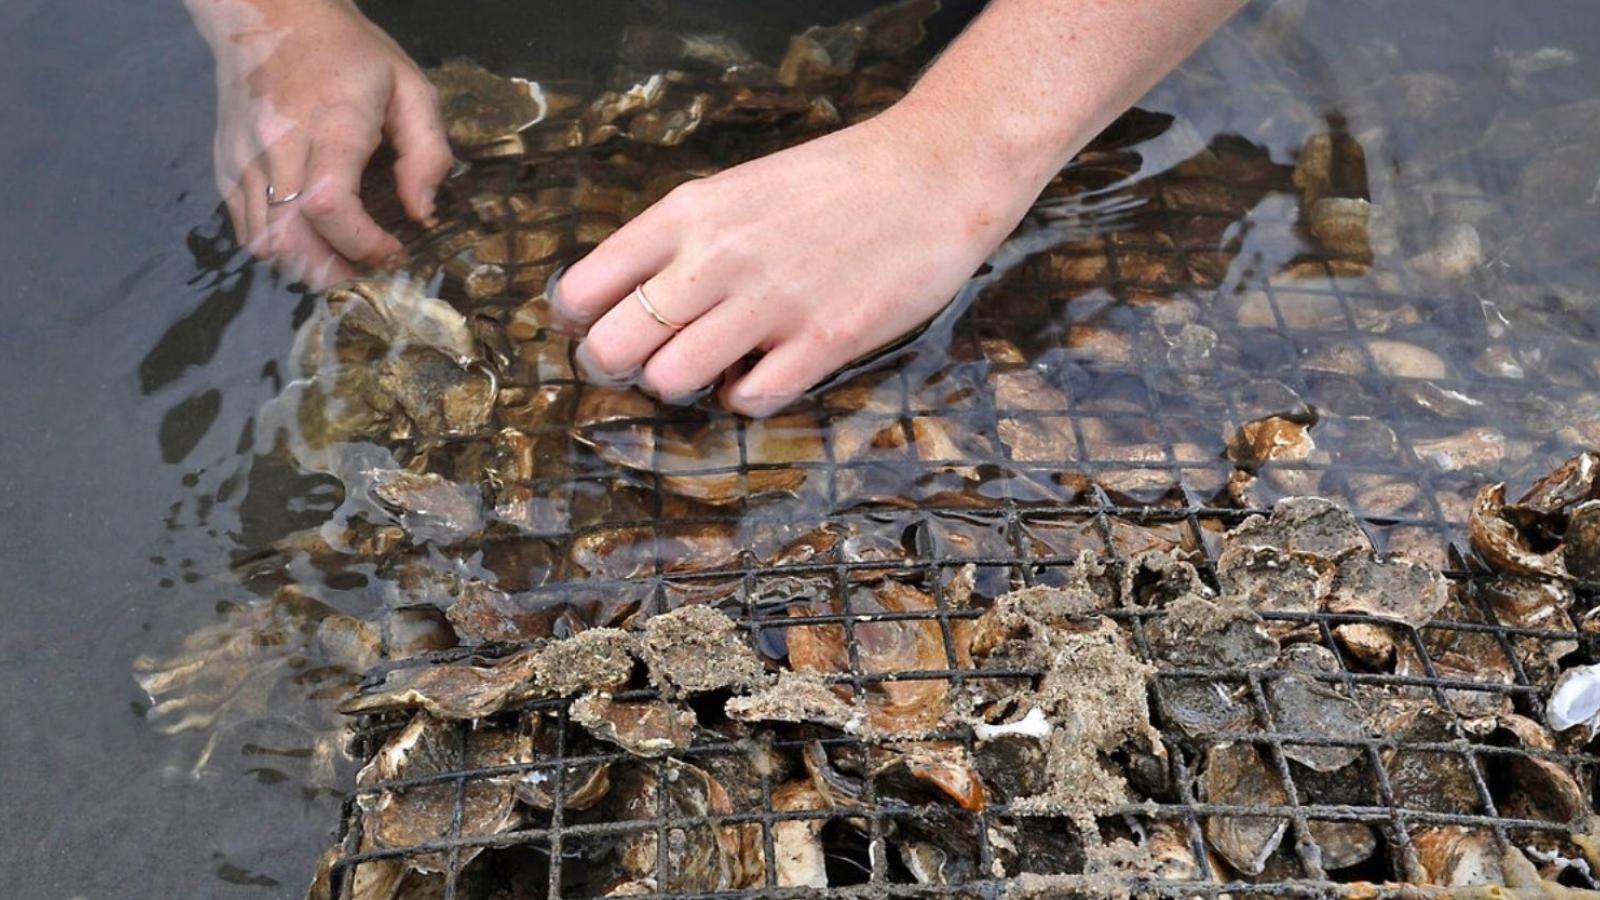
[(482, 111), (641, 727), (397, 817), (798, 855), (1397, 589), (698, 857), (696, 649), (1235, 775), (1575, 700), (430, 507), (469, 689), (1503, 545), (235, 672)]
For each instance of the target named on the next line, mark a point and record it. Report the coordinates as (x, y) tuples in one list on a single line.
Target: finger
[(232, 194), (302, 255), (284, 166), (332, 198), (700, 354), (596, 283), (233, 199), (253, 190), (417, 132), (618, 345), (779, 378)]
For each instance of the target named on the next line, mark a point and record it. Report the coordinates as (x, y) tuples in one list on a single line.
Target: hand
[(306, 90), (814, 255)]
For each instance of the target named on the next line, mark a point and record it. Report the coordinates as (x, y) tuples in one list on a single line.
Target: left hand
[(814, 256)]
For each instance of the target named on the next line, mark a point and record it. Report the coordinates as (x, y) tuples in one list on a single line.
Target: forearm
[(228, 24), (1031, 81)]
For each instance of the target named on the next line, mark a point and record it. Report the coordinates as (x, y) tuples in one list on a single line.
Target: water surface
[(138, 345)]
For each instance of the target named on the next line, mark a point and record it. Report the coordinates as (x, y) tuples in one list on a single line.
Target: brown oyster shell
[(642, 727), (397, 818), (1502, 544), (1236, 775)]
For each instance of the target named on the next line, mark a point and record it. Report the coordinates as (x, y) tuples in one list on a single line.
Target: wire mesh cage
[(1093, 403)]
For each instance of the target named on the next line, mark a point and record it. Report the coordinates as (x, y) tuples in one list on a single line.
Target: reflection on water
[(1340, 254)]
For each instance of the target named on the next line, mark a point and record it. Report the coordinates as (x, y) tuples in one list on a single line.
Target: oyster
[(1235, 775), (430, 507), (484, 113), (641, 727), (696, 649), (702, 462), (798, 855), (1397, 589), (887, 648), (798, 697), (698, 857), (404, 817), (235, 672), (461, 690)]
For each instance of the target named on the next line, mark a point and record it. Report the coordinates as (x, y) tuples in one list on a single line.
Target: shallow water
[(138, 348)]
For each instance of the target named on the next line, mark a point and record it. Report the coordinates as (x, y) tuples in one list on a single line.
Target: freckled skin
[(813, 255)]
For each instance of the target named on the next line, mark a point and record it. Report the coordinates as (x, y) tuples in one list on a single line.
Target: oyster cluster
[(1309, 664), (976, 615)]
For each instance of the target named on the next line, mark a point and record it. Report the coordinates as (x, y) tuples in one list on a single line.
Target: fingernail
[(589, 372), (560, 321), (759, 407), (428, 209)]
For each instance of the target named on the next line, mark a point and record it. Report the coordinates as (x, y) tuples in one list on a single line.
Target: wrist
[(986, 165), (226, 24)]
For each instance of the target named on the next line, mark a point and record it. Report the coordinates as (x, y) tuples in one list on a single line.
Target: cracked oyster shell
[(1502, 543)]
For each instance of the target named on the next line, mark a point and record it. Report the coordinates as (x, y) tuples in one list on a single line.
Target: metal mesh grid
[(1022, 522)]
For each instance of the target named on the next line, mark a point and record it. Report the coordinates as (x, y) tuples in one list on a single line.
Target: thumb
[(416, 130)]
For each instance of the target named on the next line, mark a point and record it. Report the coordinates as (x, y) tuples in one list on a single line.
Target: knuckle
[(832, 332), (437, 158), (687, 198), (323, 202), (728, 248)]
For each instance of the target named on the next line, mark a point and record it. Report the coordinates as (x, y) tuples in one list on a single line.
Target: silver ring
[(650, 308), (274, 200)]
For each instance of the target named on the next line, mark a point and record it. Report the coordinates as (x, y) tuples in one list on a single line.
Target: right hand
[(306, 91)]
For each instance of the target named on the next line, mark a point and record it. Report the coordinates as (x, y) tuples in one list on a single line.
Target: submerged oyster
[(237, 671), (483, 112)]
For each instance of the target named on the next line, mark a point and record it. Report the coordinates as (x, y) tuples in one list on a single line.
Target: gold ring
[(274, 200), (650, 308)]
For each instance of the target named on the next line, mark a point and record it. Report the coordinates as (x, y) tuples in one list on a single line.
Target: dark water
[(136, 347)]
